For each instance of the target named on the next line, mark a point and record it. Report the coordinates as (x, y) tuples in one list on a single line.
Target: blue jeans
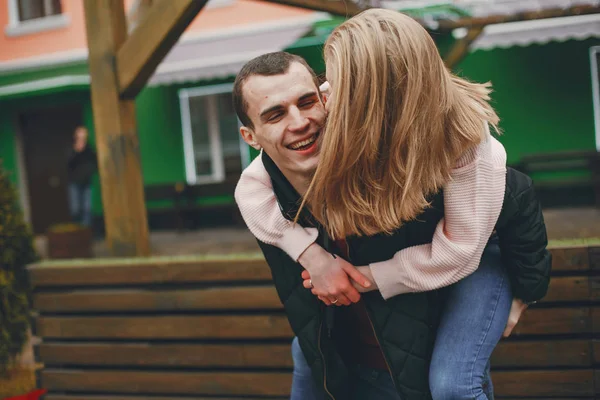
[(473, 320), (303, 384), (367, 383), (80, 203), (475, 315)]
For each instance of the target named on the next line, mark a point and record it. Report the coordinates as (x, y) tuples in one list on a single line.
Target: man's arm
[(260, 210)]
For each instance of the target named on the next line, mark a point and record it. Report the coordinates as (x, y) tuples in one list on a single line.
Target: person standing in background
[(81, 167)]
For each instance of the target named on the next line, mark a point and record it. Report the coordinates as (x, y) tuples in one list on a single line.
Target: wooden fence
[(211, 329)]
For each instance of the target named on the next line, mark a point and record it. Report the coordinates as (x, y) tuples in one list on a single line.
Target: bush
[(16, 251)]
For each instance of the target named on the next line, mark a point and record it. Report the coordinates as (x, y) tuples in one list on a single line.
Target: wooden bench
[(564, 178), (180, 202), (209, 329)]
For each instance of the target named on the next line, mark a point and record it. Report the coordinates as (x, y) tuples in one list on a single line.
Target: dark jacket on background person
[(82, 166), (405, 325)]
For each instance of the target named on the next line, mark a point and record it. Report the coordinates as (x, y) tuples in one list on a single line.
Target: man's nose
[(299, 121)]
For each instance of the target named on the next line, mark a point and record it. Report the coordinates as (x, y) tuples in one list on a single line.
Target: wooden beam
[(344, 8), (116, 137), (461, 47), (448, 25), (151, 40)]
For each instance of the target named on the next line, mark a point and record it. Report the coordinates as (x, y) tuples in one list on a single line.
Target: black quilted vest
[(405, 325)]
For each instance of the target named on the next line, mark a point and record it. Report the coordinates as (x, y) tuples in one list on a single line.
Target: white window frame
[(16, 27), (594, 51), (214, 135)]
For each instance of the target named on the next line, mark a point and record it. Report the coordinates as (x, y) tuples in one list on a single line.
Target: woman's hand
[(329, 278), (516, 310)]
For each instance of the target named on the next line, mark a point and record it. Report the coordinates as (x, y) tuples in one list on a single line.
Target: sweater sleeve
[(261, 213), (472, 203)]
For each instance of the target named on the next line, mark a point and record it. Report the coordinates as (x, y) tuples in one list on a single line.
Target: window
[(33, 9), (214, 150), (32, 16)]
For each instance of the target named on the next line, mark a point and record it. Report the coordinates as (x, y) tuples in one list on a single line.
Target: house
[(544, 73), (187, 128)]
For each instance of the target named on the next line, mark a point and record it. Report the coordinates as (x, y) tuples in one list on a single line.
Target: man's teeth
[(303, 143)]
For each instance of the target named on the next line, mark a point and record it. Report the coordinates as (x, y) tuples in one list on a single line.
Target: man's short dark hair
[(270, 64)]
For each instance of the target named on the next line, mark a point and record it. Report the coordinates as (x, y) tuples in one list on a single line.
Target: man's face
[(81, 135), (288, 115)]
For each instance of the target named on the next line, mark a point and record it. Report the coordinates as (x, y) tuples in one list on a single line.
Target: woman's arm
[(472, 203)]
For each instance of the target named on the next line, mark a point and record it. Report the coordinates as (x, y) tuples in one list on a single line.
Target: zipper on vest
[(374, 331), (382, 352), (323, 359)]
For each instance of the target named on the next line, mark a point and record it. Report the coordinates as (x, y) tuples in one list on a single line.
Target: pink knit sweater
[(472, 203)]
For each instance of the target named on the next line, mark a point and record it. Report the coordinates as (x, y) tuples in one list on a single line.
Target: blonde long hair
[(397, 124)]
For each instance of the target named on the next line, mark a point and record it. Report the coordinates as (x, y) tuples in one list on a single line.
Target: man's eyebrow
[(271, 109), (307, 95), (280, 107)]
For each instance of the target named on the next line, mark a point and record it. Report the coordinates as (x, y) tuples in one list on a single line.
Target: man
[(277, 100), (81, 167), (279, 104)]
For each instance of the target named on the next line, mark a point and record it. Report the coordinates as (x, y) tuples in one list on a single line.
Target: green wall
[(8, 154), (543, 95), (159, 130)]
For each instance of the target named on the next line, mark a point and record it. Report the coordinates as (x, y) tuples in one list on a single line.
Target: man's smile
[(305, 144)]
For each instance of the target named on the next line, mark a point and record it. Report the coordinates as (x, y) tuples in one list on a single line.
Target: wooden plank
[(162, 355), (165, 327), (125, 397), (554, 353), (596, 352), (448, 25), (538, 398), (550, 353), (570, 259), (595, 317), (544, 383), (577, 288), (126, 300), (461, 47), (594, 255), (344, 8), (165, 382), (554, 321), (116, 133), (151, 40), (140, 271)]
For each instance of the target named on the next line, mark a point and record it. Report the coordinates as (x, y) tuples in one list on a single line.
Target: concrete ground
[(568, 223)]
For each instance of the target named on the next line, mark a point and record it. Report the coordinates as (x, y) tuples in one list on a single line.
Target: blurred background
[(541, 56)]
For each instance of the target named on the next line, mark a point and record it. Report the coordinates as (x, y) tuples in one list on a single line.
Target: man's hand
[(330, 277), (516, 310)]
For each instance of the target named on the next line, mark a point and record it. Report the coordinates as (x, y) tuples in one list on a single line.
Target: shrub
[(16, 251)]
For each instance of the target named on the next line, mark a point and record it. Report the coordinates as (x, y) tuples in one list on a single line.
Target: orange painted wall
[(72, 37), (51, 41)]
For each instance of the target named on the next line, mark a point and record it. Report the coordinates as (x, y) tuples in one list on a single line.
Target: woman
[(400, 129)]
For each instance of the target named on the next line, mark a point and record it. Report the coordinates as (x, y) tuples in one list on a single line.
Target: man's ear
[(249, 137)]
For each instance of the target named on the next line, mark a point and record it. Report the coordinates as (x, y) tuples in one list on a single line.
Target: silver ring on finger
[(336, 300), (311, 285)]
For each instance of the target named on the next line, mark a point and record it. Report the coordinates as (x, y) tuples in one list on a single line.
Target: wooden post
[(116, 137), (461, 47), (344, 8), (160, 28), (119, 67)]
